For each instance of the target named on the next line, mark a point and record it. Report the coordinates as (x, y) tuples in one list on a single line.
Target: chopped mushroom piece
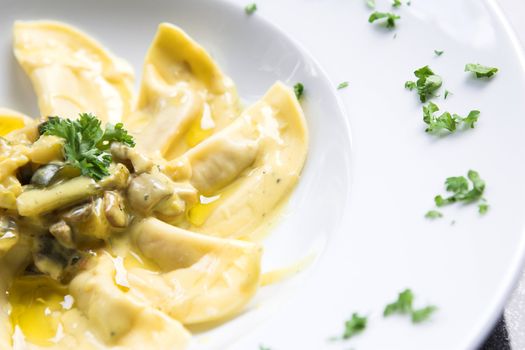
[(146, 191), (62, 232), (114, 209), (55, 260)]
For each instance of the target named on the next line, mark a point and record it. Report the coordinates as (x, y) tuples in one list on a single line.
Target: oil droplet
[(36, 307), (134, 260), (201, 128), (198, 214), (8, 124)]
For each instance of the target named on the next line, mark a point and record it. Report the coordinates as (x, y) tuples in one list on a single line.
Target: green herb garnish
[(390, 18), (342, 85), (433, 214), (483, 207), (438, 52), (403, 305), (86, 143), (447, 93), (447, 121), (371, 4), (463, 192), (426, 84), (298, 89), (423, 314), (481, 71), (355, 325), (396, 3), (250, 8)]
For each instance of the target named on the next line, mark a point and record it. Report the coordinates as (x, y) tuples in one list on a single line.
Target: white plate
[(371, 239)]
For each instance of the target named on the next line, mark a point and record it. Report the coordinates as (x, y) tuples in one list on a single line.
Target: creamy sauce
[(283, 273)]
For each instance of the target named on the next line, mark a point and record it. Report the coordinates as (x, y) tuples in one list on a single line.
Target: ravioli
[(250, 166), (184, 97), (170, 238), (71, 72), (202, 278)]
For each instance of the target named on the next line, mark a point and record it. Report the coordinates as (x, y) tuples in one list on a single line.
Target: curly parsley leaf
[(423, 314), (86, 143), (480, 71), (115, 133), (463, 191), (471, 118), (355, 325), (426, 84), (390, 18), (298, 89), (447, 121), (250, 8)]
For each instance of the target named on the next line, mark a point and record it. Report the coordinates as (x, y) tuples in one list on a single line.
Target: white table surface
[(515, 310)]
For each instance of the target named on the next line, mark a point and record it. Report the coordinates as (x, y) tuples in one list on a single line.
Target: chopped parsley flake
[(433, 214), (403, 306), (354, 326), (250, 8), (423, 314), (390, 18), (483, 207), (342, 85), (438, 52), (298, 90), (481, 71), (447, 93), (426, 84), (371, 4), (447, 121), (396, 3), (463, 191)]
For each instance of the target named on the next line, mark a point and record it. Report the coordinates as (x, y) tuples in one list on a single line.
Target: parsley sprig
[(464, 192), (480, 71), (86, 143), (447, 121), (403, 305), (426, 84)]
